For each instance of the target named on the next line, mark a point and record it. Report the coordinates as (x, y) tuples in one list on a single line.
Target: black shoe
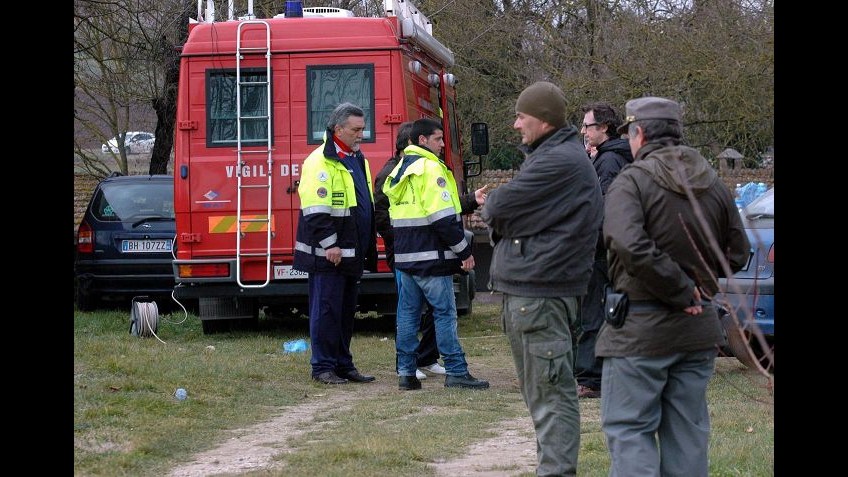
[(587, 392), (408, 383), (357, 377), (329, 377), (467, 381)]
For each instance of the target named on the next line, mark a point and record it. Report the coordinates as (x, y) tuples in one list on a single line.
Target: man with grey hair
[(544, 225), (336, 240), (669, 226)]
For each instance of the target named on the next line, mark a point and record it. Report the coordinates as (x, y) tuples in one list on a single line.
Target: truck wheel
[(218, 315), (467, 286)]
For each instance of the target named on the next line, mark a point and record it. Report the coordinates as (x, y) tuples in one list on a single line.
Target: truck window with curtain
[(330, 85)]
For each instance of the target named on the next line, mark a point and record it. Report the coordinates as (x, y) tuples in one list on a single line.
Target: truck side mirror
[(479, 139)]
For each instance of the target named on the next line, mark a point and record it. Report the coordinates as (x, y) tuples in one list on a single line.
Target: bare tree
[(167, 32), (716, 57), (126, 70), (106, 90)]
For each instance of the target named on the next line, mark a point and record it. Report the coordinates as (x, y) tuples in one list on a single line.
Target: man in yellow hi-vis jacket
[(430, 246), (336, 240)]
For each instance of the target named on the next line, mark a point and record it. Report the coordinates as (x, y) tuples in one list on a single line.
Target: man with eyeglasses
[(600, 121)]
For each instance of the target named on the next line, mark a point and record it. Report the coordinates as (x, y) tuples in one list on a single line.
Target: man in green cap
[(544, 225)]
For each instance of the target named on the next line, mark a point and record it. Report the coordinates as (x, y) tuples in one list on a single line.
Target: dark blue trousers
[(332, 306)]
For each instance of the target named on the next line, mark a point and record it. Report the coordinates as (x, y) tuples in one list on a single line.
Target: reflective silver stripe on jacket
[(444, 213), (346, 252), (462, 245), (422, 221), (329, 241), (317, 209), (326, 209), (422, 256), (419, 222)]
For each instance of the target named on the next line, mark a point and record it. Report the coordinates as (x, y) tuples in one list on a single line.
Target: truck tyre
[(468, 289), (219, 315)]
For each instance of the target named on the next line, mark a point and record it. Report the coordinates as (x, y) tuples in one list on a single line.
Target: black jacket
[(544, 222), (612, 155)]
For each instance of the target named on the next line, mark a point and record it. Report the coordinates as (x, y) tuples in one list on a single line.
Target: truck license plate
[(285, 272)]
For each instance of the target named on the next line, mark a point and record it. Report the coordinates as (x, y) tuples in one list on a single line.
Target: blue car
[(749, 295), (125, 241)]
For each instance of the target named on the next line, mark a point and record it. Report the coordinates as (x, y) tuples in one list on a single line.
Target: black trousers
[(587, 367), (428, 352)]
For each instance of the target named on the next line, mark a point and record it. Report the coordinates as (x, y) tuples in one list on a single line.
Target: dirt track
[(257, 447)]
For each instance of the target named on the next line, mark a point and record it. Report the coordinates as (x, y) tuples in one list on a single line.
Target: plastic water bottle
[(180, 394), (761, 189), (295, 346), (740, 204), (749, 192)]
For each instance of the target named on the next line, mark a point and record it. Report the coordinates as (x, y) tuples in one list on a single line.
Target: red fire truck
[(254, 97)]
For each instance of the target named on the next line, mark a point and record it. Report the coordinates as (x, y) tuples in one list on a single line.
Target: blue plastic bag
[(295, 346), (748, 193)]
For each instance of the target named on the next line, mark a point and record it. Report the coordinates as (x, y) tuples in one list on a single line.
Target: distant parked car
[(135, 142), (752, 297), (125, 241)]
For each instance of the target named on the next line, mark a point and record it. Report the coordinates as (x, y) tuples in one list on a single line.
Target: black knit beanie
[(544, 101)]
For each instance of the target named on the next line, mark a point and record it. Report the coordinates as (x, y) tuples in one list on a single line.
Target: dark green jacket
[(659, 250)]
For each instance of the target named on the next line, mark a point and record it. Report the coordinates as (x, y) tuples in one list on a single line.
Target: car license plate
[(285, 272), (146, 246)]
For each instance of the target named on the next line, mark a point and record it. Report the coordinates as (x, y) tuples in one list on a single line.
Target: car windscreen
[(131, 201)]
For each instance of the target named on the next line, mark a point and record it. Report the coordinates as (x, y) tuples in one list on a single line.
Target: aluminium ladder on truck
[(244, 156)]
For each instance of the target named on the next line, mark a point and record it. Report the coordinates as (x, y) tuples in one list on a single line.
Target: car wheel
[(85, 302), (760, 353), (744, 345)]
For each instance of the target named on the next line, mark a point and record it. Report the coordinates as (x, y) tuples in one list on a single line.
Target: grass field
[(127, 421)]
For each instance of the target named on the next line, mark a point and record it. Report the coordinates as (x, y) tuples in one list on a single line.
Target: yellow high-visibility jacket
[(425, 208), (327, 195)]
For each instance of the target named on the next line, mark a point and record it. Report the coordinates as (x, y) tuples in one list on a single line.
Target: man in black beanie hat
[(544, 225)]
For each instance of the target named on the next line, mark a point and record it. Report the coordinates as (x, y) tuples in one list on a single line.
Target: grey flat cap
[(649, 107)]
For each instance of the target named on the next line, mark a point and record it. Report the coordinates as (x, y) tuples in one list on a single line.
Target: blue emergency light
[(294, 9)]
